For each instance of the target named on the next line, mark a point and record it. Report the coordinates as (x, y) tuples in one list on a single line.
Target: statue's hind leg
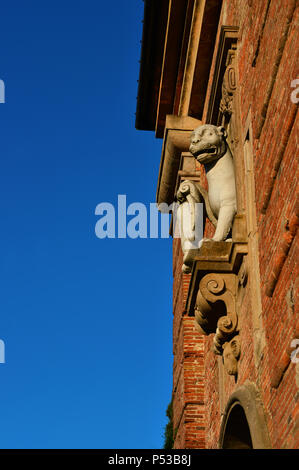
[(225, 220)]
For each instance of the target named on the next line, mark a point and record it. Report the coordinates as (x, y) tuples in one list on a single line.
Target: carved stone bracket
[(218, 279), (220, 319)]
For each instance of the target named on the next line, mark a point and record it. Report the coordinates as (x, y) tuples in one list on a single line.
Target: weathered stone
[(209, 147)]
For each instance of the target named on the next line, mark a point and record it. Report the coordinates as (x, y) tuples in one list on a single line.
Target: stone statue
[(231, 354), (209, 147)]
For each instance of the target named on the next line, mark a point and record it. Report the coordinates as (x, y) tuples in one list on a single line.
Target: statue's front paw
[(186, 269), (204, 240)]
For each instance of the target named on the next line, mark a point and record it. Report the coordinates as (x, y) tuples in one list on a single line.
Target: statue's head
[(231, 354), (208, 143)]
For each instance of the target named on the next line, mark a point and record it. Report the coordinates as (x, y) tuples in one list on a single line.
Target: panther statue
[(209, 147)]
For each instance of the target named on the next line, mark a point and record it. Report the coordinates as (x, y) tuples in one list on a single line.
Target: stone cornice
[(176, 140)]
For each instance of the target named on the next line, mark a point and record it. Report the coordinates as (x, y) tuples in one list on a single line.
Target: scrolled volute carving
[(215, 310)]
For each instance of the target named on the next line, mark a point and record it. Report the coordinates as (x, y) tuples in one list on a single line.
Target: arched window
[(237, 433), (244, 425)]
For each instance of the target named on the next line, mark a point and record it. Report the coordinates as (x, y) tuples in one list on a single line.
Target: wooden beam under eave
[(184, 48), (203, 33), (171, 58), (153, 40), (188, 51), (195, 32)]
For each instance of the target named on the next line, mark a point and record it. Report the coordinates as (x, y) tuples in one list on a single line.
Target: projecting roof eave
[(152, 47), (173, 38)]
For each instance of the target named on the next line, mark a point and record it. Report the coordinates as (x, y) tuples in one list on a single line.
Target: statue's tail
[(193, 193)]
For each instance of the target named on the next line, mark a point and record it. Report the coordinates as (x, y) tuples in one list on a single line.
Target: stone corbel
[(221, 319), (218, 279), (215, 312)]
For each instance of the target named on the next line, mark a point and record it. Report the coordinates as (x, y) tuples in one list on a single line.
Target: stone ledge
[(213, 257)]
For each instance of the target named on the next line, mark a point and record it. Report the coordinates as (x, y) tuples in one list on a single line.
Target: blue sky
[(87, 323)]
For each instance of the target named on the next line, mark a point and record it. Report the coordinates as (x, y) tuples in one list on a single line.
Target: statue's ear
[(222, 131), (235, 346)]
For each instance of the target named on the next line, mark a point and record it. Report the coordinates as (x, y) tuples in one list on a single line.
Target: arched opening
[(237, 432), (244, 423)]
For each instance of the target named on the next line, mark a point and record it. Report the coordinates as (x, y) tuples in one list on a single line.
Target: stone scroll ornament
[(215, 312), (188, 196)]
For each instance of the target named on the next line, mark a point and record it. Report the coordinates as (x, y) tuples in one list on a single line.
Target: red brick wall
[(188, 378), (267, 63)]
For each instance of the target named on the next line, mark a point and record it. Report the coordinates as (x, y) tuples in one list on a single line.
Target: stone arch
[(244, 424)]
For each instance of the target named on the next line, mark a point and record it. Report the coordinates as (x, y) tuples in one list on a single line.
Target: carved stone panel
[(229, 85), (224, 77)]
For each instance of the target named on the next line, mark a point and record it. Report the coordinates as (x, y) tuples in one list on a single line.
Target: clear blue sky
[(87, 323)]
